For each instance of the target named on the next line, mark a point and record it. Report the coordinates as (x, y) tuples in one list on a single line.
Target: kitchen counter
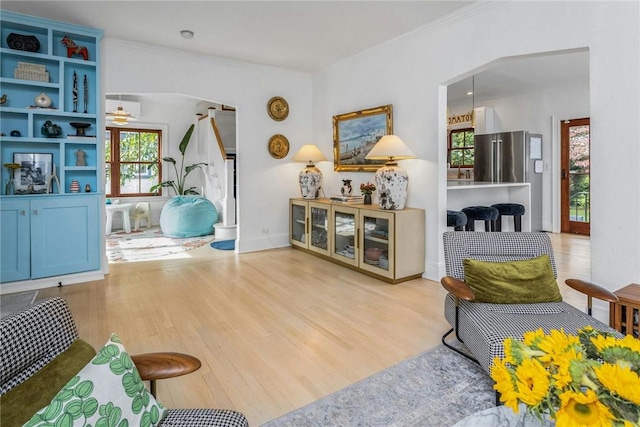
[(463, 192)]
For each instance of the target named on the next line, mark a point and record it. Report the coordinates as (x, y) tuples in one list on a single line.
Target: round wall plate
[(278, 108), (278, 146)]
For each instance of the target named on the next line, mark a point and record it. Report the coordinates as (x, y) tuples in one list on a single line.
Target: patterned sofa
[(34, 337)]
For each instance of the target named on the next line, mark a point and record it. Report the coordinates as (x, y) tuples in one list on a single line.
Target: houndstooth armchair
[(34, 337), (482, 327)]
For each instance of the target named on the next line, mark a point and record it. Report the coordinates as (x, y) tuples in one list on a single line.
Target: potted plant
[(178, 185)]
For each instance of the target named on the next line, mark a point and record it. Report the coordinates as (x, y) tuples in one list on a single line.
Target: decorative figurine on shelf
[(3, 99), (346, 189), (81, 158), (80, 128), (86, 94), (75, 92), (10, 187), (51, 130), (53, 177), (87, 188), (74, 187), (43, 100), (74, 49)]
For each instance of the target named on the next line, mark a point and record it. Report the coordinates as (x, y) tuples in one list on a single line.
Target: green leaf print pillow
[(107, 392)]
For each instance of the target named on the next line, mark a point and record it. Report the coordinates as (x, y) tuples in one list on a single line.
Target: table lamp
[(391, 179), (310, 178)]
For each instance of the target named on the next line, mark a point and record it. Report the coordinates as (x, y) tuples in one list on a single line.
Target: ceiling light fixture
[(186, 34), (120, 117)]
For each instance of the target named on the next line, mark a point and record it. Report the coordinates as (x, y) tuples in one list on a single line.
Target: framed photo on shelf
[(355, 134), (35, 170)]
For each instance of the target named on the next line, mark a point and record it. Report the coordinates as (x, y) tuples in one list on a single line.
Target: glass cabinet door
[(298, 224), (345, 241), (319, 220), (377, 253)]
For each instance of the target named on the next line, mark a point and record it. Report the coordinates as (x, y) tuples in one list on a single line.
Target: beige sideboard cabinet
[(388, 245)]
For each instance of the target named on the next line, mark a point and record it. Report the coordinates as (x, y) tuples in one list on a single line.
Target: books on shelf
[(347, 199)]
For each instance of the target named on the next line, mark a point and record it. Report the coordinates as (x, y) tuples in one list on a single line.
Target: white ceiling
[(299, 35)]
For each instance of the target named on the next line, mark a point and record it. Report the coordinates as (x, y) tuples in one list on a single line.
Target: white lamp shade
[(309, 153), (390, 147)]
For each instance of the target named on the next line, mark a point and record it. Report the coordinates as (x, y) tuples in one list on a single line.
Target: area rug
[(436, 388), (10, 303), (224, 245), (149, 244)]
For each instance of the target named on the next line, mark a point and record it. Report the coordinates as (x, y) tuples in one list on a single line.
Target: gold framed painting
[(355, 134)]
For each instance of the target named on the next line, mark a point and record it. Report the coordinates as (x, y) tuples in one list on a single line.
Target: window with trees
[(132, 161), (460, 151)]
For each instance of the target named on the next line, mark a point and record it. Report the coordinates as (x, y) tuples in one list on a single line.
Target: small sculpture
[(51, 179), (75, 92), (3, 99), (81, 158), (87, 188), (74, 49), (51, 130), (346, 189)]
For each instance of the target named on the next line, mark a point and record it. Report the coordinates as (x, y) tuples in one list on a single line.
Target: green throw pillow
[(512, 282), (108, 391), (21, 402)]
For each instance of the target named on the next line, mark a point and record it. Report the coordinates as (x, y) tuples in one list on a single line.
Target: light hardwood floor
[(274, 330)]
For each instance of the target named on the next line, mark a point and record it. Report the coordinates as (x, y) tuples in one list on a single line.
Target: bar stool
[(487, 214), (456, 219), (509, 209)]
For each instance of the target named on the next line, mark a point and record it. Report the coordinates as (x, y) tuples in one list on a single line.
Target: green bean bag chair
[(188, 216)]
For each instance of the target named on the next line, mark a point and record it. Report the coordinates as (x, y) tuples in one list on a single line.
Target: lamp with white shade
[(310, 178), (391, 179)]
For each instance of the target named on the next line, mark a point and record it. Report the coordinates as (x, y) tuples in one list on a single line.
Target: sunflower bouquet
[(588, 379)]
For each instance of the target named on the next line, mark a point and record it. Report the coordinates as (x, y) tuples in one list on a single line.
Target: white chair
[(142, 211)]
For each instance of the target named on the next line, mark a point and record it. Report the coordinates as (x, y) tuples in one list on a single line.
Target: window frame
[(451, 149), (115, 163)]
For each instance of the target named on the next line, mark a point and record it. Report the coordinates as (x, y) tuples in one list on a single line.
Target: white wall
[(265, 184), (408, 73)]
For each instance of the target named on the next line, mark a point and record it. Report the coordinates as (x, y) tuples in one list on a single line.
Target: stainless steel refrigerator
[(512, 157)]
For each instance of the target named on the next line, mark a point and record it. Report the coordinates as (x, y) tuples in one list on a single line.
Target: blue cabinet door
[(64, 235), (15, 240)]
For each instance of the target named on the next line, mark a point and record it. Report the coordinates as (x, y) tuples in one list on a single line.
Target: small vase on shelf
[(367, 199)]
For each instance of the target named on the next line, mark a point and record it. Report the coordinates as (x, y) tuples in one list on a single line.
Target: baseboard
[(50, 282), (263, 243)]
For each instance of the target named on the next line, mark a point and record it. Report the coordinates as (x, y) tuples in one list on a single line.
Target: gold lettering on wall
[(460, 118)]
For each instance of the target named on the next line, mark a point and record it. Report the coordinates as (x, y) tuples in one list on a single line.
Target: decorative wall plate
[(278, 108), (278, 146)]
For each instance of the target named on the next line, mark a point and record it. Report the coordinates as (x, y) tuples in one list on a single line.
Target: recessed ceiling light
[(186, 34), (470, 93)]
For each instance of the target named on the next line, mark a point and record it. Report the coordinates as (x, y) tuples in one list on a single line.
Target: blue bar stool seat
[(456, 219), (509, 209), (487, 214)]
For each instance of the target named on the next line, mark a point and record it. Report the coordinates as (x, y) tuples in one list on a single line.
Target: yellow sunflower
[(562, 372), (582, 409), (620, 380), (557, 342), (532, 338), (532, 381), (501, 374)]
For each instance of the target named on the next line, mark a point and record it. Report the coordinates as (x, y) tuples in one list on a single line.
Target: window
[(132, 161), (460, 152)]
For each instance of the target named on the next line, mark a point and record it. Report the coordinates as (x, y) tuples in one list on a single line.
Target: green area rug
[(149, 244), (436, 388)]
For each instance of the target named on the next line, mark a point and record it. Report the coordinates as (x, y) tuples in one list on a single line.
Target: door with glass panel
[(377, 251), (345, 247), (575, 177)]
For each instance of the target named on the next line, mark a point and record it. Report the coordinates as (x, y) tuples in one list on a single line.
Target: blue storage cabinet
[(59, 232)]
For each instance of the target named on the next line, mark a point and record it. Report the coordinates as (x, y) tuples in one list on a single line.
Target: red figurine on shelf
[(74, 49)]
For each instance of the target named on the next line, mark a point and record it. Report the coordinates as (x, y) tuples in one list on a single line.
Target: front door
[(575, 182)]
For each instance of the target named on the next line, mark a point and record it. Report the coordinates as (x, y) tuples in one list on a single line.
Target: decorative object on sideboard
[(278, 146), (74, 49), (74, 187), (310, 178), (23, 42), (51, 179), (10, 186), (35, 170), (346, 188), (355, 134), (367, 190), (51, 130), (391, 179), (81, 157), (43, 100), (278, 108), (80, 128)]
